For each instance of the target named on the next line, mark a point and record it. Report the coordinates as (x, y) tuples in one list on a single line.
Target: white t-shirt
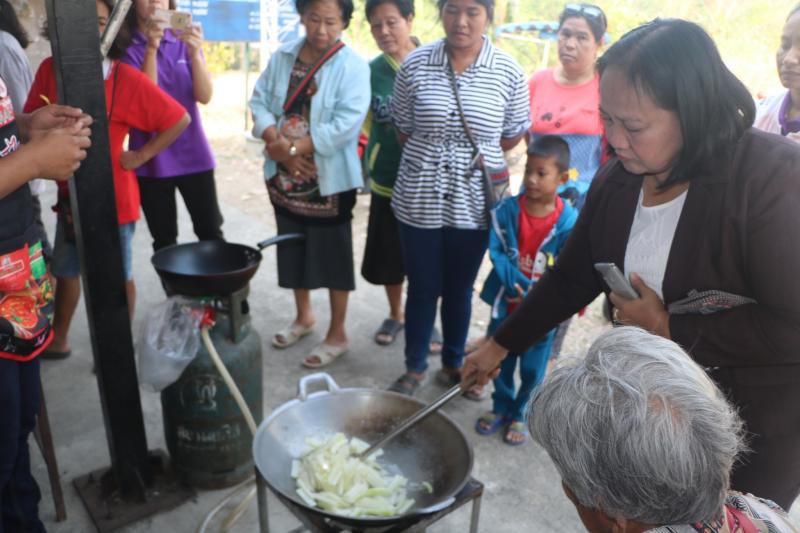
[(650, 241), (16, 72), (767, 111)]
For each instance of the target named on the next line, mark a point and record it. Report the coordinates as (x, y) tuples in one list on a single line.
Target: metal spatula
[(419, 416)]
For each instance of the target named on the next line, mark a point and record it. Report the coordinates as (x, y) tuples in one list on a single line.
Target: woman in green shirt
[(390, 22)]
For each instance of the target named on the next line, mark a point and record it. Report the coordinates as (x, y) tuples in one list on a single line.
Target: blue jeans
[(19, 405), (440, 262), (509, 401), (66, 264)]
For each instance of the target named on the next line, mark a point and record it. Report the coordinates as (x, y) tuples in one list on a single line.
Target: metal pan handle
[(305, 381), (280, 238)]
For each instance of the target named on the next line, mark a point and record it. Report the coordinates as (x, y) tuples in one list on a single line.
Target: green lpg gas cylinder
[(207, 435)]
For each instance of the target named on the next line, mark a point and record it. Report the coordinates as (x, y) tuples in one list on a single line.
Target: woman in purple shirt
[(780, 113), (174, 60)]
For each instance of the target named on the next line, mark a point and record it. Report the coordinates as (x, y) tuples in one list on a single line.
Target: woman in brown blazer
[(695, 200)]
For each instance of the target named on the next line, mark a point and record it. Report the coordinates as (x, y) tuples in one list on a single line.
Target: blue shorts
[(65, 262)]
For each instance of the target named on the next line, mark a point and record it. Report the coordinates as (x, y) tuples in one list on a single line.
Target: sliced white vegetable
[(358, 446), (331, 476), (405, 506), (306, 497)]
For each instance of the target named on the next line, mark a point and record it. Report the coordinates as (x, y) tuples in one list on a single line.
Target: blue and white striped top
[(436, 186)]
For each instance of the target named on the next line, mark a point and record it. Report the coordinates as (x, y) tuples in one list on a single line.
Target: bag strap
[(477, 158), (326, 55), (464, 122)]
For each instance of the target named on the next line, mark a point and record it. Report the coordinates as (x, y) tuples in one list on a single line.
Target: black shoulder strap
[(464, 122)]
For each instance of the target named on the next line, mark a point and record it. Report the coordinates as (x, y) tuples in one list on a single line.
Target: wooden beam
[(76, 51)]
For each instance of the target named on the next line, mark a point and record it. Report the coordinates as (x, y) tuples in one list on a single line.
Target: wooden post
[(76, 51)]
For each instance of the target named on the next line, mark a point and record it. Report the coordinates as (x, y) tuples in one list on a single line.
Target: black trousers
[(47, 250), (768, 400), (19, 403), (199, 193)]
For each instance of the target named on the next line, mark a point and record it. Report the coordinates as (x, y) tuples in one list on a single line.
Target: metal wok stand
[(472, 492)]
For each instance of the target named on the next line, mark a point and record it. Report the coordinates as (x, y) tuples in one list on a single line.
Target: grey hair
[(638, 430)]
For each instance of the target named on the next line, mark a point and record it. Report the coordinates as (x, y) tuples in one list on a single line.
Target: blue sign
[(240, 20), (289, 27)]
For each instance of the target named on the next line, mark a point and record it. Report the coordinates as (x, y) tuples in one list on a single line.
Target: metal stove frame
[(472, 492)]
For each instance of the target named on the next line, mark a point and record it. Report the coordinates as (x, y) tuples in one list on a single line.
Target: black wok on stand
[(205, 427), (217, 271), (211, 268)]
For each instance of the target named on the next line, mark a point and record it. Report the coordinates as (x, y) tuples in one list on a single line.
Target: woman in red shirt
[(132, 101)]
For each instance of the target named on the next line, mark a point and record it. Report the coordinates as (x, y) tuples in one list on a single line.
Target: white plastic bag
[(168, 341)]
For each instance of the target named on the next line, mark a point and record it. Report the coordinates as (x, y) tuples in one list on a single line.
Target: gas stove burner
[(236, 308)]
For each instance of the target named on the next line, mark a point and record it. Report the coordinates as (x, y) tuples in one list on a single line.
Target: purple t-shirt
[(788, 124), (190, 153)]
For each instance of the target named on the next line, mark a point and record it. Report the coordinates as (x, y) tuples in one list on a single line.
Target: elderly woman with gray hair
[(644, 441)]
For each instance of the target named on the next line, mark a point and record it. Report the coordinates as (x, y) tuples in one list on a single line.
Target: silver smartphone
[(177, 20), (616, 280)]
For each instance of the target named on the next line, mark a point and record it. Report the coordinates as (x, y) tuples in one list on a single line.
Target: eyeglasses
[(587, 10)]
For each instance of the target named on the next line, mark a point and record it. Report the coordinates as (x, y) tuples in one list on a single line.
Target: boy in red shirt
[(526, 235), (132, 101)]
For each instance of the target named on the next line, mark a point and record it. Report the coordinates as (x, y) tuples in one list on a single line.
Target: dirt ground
[(522, 488), (240, 184)]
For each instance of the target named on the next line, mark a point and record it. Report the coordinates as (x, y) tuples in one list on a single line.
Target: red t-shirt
[(531, 232), (136, 102), (564, 109)]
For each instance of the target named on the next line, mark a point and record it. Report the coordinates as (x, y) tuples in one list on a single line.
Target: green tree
[(747, 32)]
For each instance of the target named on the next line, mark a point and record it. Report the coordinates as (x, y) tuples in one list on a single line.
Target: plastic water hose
[(217, 508), (226, 376), (234, 516), (237, 513)]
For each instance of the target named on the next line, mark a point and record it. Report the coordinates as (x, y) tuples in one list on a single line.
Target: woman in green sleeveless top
[(390, 22)]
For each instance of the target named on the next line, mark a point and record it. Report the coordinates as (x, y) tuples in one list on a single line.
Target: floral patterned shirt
[(742, 513)]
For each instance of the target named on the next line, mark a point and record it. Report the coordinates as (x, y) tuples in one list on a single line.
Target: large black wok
[(211, 268), (435, 450)]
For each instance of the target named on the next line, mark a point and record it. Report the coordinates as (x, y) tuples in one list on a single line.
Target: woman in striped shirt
[(439, 193)]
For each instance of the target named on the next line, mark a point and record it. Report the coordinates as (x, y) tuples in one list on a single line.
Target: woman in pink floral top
[(644, 441)]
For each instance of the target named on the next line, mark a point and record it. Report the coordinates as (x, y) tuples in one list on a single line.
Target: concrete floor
[(522, 489)]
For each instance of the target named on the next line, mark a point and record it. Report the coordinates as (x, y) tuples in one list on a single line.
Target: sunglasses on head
[(587, 10)]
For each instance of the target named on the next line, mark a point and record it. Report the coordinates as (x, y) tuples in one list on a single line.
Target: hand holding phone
[(616, 280), (177, 20)]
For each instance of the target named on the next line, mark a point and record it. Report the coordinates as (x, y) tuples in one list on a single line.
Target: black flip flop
[(390, 327), (448, 379), (406, 384)]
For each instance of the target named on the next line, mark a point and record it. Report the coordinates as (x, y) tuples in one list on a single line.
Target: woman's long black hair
[(9, 22), (677, 64)]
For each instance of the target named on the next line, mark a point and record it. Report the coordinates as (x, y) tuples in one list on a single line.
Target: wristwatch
[(292, 150)]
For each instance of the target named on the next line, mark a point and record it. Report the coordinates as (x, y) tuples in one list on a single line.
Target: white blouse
[(650, 241)]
